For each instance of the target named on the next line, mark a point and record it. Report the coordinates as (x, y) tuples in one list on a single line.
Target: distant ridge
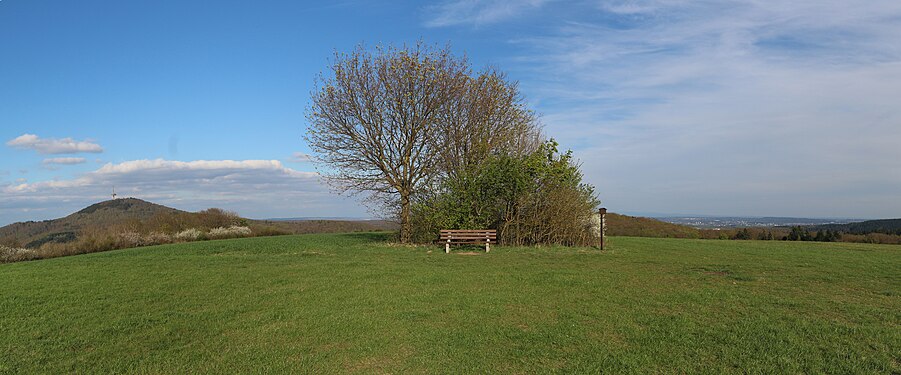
[(98, 215), (132, 214), (886, 226), (714, 222), (128, 206)]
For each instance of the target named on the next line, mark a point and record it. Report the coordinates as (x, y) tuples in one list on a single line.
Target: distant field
[(352, 303)]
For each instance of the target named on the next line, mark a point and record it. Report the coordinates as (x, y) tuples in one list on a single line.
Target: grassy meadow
[(354, 303)]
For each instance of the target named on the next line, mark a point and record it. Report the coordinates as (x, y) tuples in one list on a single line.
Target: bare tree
[(372, 121), (392, 121), (490, 116)]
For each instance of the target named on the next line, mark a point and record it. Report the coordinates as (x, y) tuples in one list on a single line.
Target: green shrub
[(538, 198)]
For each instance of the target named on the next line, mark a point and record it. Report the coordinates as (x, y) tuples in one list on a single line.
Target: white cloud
[(300, 157), (53, 145), (254, 188), (64, 161), (143, 174), (729, 107), (477, 12)]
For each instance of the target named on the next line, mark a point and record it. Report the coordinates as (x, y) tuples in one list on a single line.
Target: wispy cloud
[(64, 161), (477, 12), (53, 145), (251, 187), (300, 157), (742, 106)]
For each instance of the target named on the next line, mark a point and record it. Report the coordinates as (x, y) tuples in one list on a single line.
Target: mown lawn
[(352, 303)]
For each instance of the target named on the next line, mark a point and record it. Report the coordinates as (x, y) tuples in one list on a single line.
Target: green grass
[(351, 303)]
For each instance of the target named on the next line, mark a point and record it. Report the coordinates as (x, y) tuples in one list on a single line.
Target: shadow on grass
[(464, 248)]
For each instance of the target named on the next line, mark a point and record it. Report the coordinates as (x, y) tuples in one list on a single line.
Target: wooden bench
[(468, 236)]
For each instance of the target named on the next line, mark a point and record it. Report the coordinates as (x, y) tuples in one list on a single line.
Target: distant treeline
[(886, 226), (875, 231), (796, 233)]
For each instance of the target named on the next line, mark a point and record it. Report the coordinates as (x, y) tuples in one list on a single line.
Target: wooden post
[(603, 212)]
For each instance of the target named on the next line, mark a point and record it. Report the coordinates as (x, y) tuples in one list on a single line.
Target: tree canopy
[(416, 125)]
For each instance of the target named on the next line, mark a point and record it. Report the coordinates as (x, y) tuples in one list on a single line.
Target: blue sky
[(734, 107)]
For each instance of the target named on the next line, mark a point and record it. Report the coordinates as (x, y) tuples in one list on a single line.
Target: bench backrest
[(474, 236)]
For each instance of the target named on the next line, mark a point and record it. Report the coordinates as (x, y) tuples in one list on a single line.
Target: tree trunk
[(406, 226)]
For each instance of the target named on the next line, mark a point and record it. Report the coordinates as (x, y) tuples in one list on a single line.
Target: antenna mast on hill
[(114, 192)]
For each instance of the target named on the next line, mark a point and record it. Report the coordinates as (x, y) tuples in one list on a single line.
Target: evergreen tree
[(820, 237), (805, 235), (796, 234)]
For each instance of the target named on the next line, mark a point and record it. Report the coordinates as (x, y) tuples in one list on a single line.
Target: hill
[(352, 303), (114, 217), (885, 226), (99, 215), (624, 225)]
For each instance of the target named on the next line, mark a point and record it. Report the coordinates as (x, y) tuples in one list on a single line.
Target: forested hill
[(94, 217), (112, 218), (887, 226)]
